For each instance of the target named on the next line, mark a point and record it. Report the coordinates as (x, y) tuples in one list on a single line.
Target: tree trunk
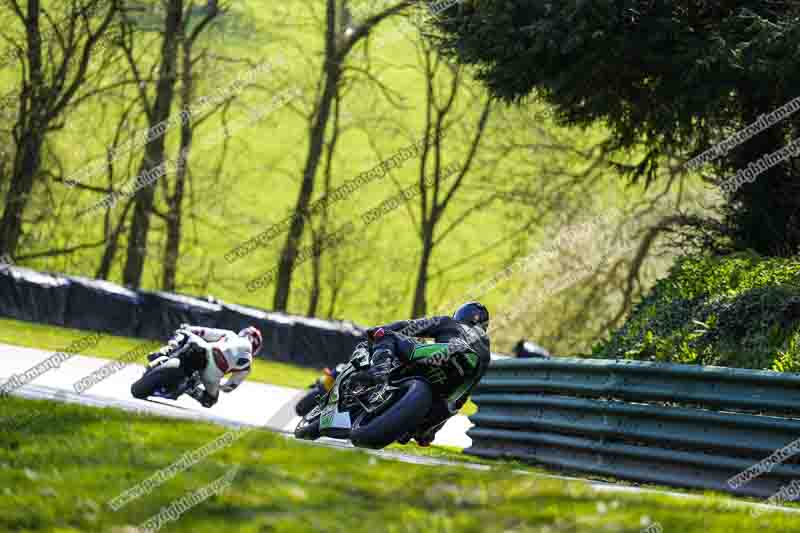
[(172, 246), (26, 166), (420, 306), (29, 132), (154, 151), (112, 245), (175, 213), (313, 297), (316, 259), (332, 73), (332, 303), (42, 101)]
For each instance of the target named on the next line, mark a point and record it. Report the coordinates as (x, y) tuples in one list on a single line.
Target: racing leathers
[(226, 354), (463, 361)]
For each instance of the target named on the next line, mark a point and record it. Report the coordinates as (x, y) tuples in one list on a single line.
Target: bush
[(740, 310)]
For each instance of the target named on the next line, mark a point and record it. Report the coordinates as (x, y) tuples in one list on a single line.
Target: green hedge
[(740, 310)]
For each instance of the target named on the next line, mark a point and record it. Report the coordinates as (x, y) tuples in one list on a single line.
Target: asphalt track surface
[(252, 404)]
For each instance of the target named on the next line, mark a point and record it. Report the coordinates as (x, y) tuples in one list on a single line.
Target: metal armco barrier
[(680, 425)]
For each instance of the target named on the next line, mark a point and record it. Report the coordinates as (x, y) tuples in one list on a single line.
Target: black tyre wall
[(94, 305)]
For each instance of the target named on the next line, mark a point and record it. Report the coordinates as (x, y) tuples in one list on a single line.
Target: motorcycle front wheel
[(398, 416), (155, 379), (309, 401), (308, 427)]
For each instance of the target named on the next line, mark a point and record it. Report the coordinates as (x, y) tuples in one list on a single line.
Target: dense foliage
[(676, 77), (741, 310)]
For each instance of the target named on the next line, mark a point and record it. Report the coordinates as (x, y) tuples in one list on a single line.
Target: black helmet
[(474, 314)]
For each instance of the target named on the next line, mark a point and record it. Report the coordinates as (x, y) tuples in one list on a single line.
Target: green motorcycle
[(376, 414)]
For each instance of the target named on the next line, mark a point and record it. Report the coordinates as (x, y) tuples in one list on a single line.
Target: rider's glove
[(375, 334), (362, 350)]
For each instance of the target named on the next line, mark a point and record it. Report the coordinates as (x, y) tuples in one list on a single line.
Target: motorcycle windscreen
[(330, 417)]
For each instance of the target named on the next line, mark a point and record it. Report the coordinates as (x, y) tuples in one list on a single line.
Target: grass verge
[(61, 469)]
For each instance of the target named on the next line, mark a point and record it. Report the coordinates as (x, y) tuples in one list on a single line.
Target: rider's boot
[(439, 414), (200, 394), (426, 436), (382, 362)]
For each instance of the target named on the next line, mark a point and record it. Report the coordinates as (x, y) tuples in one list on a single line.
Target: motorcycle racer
[(227, 353), (463, 362)]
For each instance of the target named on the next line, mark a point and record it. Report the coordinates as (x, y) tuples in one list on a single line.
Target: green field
[(61, 469), (527, 161)]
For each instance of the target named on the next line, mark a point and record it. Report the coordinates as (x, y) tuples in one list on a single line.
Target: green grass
[(54, 338), (68, 462)]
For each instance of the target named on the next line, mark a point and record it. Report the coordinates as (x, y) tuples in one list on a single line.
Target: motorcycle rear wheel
[(379, 429)]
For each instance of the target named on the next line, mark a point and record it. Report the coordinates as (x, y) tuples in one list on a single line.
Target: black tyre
[(308, 402), (403, 416), (155, 379), (308, 427)]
